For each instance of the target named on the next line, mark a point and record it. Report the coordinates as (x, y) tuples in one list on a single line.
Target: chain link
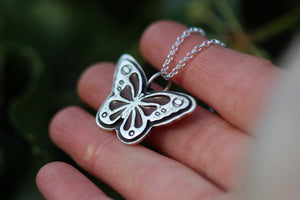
[(189, 55)]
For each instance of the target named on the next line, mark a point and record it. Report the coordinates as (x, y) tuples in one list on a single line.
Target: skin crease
[(201, 156)]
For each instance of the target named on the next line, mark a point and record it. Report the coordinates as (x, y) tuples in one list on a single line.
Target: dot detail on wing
[(104, 114), (131, 133)]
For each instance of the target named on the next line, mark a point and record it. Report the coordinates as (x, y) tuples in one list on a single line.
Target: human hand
[(201, 156)]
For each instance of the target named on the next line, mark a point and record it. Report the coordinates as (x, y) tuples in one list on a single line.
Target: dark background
[(46, 44)]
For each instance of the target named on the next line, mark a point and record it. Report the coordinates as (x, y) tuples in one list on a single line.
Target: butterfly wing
[(118, 109), (129, 77), (167, 106), (134, 128)]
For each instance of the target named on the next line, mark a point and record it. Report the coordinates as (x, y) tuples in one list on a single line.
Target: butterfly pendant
[(133, 108)]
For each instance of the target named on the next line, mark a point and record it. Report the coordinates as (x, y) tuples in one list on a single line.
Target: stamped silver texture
[(133, 107)]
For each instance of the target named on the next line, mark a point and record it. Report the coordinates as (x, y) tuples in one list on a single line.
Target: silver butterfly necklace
[(133, 107)]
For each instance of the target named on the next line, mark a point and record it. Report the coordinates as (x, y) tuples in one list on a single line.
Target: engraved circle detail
[(126, 69), (177, 102)]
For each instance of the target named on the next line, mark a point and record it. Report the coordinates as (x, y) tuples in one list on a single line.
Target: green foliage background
[(46, 44)]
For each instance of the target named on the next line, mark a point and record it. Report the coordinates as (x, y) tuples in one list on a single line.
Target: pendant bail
[(156, 75)]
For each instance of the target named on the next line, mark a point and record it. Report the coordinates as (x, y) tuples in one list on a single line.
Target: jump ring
[(156, 75)]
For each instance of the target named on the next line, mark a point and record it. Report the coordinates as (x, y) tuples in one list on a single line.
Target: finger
[(59, 180), (203, 141), (91, 92), (234, 84), (134, 171)]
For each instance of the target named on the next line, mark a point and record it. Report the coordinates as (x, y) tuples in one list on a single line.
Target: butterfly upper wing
[(129, 82), (128, 76)]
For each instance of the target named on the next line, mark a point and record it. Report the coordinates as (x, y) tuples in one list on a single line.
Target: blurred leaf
[(226, 10), (13, 148), (35, 68)]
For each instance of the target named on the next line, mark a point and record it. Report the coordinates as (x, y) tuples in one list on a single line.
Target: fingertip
[(47, 170), (90, 71), (157, 38), (39, 176), (87, 89), (47, 175), (59, 122), (156, 28), (58, 180)]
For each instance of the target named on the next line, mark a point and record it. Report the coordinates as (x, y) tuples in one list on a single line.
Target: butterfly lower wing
[(110, 113), (134, 128)]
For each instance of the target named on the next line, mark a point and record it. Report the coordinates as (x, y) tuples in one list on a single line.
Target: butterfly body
[(133, 108)]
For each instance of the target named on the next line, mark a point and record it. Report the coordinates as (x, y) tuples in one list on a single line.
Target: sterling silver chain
[(189, 55)]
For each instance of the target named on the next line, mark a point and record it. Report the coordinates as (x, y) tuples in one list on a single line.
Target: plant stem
[(228, 14)]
